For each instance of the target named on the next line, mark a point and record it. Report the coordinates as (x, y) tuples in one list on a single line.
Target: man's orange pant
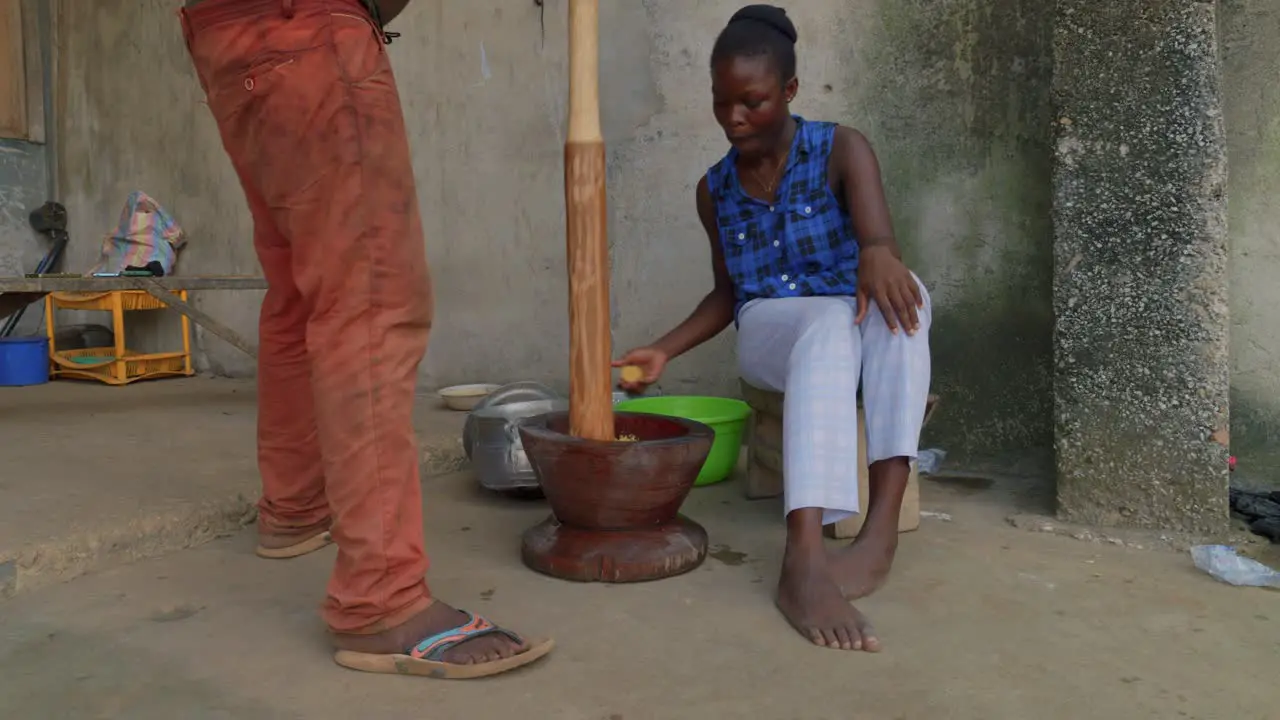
[(307, 106)]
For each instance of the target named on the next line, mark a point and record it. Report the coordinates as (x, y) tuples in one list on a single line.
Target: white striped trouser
[(810, 349)]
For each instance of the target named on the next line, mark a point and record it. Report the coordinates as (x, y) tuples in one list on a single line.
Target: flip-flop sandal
[(425, 659), (298, 549)]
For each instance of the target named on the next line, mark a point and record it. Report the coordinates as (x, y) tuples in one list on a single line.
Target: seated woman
[(806, 264)]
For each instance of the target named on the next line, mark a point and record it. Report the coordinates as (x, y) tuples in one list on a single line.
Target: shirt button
[(792, 286), (807, 209), (742, 236), (785, 278), (776, 243), (770, 208)]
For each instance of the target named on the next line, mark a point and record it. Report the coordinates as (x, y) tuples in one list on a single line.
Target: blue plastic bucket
[(24, 361)]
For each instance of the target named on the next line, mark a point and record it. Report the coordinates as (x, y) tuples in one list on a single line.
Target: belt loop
[(287, 7)]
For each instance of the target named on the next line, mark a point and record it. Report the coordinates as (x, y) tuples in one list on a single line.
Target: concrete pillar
[(1140, 247)]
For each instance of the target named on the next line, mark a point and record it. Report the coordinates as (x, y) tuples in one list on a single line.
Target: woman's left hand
[(882, 277)]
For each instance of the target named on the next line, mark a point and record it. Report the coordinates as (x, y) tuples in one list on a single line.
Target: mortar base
[(614, 556)]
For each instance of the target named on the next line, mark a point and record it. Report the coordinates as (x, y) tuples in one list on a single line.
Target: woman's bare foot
[(437, 618), (812, 602), (863, 567)]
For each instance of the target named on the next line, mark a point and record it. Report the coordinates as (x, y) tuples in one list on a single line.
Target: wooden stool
[(765, 466)]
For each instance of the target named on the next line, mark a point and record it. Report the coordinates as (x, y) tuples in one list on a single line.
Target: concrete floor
[(982, 620), (91, 474)]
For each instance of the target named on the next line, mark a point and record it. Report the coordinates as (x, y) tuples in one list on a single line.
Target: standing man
[(307, 107)]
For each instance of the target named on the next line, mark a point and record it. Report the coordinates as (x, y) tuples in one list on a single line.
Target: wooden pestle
[(590, 371)]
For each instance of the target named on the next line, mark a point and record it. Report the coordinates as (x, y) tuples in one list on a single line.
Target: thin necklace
[(777, 174)]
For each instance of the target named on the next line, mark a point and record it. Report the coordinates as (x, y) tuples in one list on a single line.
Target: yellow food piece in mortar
[(632, 374), (628, 437)]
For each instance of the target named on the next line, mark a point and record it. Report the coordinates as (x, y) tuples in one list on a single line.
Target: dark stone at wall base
[(1140, 250)]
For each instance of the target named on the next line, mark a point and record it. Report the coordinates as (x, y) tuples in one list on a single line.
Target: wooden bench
[(765, 466), (18, 292)]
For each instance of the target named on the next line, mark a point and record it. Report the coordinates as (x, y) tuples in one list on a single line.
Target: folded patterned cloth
[(146, 234)]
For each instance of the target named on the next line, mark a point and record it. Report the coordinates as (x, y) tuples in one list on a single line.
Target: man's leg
[(808, 348), (895, 387), (293, 513), (308, 110)]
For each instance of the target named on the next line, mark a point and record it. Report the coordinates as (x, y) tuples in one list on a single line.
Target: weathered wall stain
[(957, 97), (22, 189), (25, 171)]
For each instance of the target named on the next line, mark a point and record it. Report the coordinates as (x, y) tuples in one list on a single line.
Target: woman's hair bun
[(771, 15)]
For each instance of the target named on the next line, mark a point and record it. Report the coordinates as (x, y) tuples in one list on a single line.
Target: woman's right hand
[(651, 362)]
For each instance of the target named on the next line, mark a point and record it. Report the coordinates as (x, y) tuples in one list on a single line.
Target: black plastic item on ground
[(1260, 509), (79, 337)]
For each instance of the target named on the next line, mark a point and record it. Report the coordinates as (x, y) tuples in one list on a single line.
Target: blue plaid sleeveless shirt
[(803, 244)]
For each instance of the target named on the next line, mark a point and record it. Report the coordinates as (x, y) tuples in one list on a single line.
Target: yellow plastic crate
[(115, 365), (129, 300), (102, 364)]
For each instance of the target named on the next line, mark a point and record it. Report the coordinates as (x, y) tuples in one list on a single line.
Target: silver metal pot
[(525, 391), (497, 454)]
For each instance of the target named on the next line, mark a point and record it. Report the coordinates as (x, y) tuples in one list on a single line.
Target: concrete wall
[(129, 116), (1250, 42), (953, 93), (1141, 318)]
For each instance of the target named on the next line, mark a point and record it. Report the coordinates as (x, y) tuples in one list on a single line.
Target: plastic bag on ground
[(928, 461), (1222, 562)]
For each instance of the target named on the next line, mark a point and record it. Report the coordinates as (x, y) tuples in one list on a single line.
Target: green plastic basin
[(728, 417)]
